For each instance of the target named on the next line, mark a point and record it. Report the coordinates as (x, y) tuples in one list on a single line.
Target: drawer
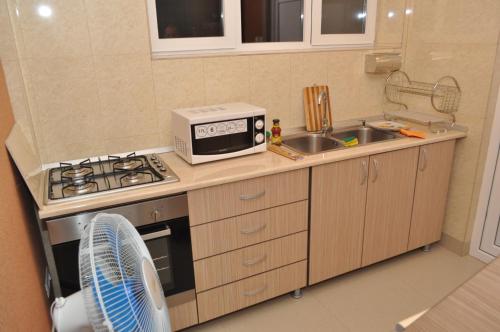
[(235, 265), (233, 199), (237, 232), (247, 292)]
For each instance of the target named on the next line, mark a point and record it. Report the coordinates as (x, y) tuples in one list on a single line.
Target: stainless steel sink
[(365, 135), (313, 143), (308, 143)]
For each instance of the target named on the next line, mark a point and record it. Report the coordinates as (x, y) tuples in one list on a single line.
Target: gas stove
[(112, 173)]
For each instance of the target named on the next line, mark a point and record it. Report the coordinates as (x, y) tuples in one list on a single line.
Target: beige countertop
[(204, 175)]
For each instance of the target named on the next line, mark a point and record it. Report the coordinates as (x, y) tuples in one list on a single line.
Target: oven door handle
[(155, 235)]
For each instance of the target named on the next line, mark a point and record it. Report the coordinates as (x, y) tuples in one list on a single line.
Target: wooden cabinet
[(249, 241), (182, 310), (237, 295), (338, 199), (228, 200), (431, 191), (389, 204), (248, 229), (238, 264)]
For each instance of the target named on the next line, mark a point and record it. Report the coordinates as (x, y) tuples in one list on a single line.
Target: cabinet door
[(431, 192), (389, 204), (338, 198)]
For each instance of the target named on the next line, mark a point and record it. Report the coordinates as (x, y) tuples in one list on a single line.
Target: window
[(343, 22), (272, 21), (194, 26)]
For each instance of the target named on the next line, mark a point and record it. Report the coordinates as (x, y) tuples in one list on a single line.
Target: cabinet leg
[(427, 248), (297, 294)]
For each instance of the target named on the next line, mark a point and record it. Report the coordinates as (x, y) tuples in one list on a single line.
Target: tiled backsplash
[(93, 89)]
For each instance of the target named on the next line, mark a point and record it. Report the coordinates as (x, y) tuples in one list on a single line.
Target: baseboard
[(457, 246)]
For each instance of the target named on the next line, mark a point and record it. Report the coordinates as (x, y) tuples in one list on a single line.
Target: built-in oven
[(163, 225)]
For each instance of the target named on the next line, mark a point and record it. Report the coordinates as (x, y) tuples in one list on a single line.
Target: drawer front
[(235, 265), (233, 199), (247, 292), (234, 233)]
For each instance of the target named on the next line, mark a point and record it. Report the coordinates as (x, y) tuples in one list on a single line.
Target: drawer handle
[(423, 162), (255, 291), (249, 231), (253, 196), (364, 169), (254, 261), (375, 170)]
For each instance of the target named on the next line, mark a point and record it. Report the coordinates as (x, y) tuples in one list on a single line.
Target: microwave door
[(222, 137)]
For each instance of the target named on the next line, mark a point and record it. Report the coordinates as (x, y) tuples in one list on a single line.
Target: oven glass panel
[(171, 254), (222, 137)]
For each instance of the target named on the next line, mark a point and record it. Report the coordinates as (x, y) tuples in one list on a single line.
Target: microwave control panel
[(220, 128)]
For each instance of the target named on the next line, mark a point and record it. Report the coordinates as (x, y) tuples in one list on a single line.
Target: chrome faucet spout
[(322, 98)]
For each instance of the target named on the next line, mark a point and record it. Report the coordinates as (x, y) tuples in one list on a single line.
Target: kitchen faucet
[(323, 97)]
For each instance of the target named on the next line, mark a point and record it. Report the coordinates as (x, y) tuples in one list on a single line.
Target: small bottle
[(276, 132)]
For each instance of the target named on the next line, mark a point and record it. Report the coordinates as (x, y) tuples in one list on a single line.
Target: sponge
[(350, 141)]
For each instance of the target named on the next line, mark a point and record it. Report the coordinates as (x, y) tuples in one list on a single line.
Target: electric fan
[(120, 289)]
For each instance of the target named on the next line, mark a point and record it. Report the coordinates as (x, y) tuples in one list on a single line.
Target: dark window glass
[(343, 17), (272, 20), (189, 18)]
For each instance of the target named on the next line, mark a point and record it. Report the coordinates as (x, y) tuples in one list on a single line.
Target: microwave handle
[(155, 235)]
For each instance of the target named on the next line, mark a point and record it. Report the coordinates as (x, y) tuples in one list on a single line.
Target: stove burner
[(127, 164), (133, 177), (79, 188), (77, 172)]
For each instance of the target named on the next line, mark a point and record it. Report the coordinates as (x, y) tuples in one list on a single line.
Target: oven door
[(170, 247)]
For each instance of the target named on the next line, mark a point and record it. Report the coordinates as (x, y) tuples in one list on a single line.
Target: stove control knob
[(153, 157), (259, 138), (163, 169), (259, 124)]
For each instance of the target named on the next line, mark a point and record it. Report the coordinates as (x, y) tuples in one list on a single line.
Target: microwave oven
[(210, 133)]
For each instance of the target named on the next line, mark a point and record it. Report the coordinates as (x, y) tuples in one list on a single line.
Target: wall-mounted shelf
[(445, 93)]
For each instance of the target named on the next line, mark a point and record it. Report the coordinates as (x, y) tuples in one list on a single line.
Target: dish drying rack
[(445, 94)]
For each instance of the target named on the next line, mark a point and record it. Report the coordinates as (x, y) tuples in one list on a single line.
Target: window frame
[(232, 41), (367, 38)]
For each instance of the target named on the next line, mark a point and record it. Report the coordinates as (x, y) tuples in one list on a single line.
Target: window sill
[(226, 52)]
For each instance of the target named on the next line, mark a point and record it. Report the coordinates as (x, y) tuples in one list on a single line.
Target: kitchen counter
[(200, 176)]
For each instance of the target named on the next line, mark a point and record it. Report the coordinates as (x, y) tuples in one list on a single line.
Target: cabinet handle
[(253, 196), (423, 162), (155, 235), (255, 291), (249, 231), (375, 170), (364, 169), (254, 261)]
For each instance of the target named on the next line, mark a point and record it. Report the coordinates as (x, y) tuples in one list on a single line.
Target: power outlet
[(48, 282)]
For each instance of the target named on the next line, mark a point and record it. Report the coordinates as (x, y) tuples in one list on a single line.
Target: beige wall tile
[(130, 144), (179, 83), (18, 98), (270, 86), (307, 69), (118, 26), (68, 115), (64, 33), (456, 21), (226, 79), (126, 94), (8, 50), (390, 22)]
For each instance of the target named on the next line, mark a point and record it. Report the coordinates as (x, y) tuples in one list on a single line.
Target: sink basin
[(365, 135), (311, 143)]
